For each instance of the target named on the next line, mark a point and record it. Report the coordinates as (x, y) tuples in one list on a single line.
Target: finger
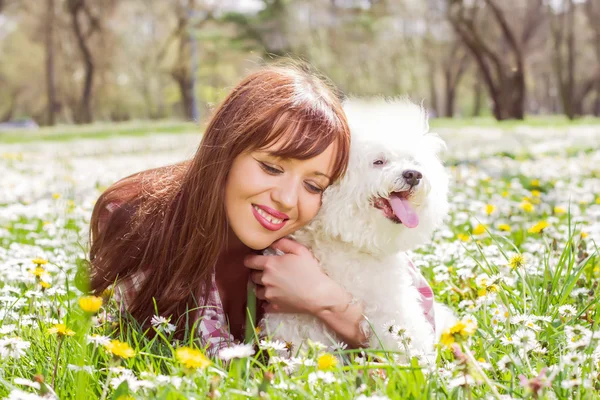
[(259, 292), (289, 246), (256, 262), (256, 277), (271, 308)]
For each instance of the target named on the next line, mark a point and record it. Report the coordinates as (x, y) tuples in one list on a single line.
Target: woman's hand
[(294, 282)]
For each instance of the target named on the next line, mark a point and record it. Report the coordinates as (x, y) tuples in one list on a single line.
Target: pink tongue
[(404, 211)]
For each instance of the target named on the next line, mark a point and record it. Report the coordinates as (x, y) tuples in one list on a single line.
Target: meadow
[(517, 260)]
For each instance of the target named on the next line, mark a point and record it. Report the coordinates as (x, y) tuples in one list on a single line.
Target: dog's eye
[(380, 162)]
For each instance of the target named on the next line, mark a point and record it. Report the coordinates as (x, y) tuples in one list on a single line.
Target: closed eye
[(313, 189), (268, 169)]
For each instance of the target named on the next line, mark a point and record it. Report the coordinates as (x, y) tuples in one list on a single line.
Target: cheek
[(308, 208)]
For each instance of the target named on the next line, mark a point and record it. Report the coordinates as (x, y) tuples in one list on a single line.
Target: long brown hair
[(172, 222)]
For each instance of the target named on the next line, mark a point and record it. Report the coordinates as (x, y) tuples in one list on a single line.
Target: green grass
[(142, 128), (98, 131), (548, 121), (562, 270)]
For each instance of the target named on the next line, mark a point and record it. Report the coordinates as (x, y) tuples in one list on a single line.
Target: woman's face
[(267, 197)]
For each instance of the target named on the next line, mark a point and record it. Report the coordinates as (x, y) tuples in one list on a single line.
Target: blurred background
[(81, 61)]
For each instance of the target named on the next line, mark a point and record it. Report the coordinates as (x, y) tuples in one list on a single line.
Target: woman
[(186, 238)]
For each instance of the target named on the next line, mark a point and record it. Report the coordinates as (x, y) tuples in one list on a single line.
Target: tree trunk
[(570, 84), (50, 78), (502, 70), (186, 90), (8, 114), (84, 112), (433, 89), (477, 96), (454, 68)]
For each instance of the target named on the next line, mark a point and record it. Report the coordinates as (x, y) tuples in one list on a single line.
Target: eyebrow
[(322, 174), (318, 173)]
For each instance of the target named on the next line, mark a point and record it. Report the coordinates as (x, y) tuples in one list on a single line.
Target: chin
[(392, 198)]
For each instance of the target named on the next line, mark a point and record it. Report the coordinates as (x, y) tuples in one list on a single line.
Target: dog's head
[(394, 193)]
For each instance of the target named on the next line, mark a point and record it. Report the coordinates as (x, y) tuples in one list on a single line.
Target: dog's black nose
[(412, 177)]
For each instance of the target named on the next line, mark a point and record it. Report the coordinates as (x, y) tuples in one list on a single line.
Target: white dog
[(392, 197)]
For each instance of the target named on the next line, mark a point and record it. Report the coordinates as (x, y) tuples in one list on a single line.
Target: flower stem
[(468, 353), (105, 388), (60, 342)]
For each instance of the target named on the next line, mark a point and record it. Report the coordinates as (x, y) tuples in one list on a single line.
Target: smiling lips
[(269, 218)]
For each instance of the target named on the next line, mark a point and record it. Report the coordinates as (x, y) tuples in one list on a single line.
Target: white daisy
[(276, 345), (21, 395), (13, 347), (97, 340), (27, 382), (236, 351), (525, 338), (162, 324), (572, 359)]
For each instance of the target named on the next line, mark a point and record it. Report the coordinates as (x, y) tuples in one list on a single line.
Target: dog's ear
[(434, 142)]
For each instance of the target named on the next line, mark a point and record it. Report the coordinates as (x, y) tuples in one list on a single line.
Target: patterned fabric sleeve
[(213, 328), (425, 291)]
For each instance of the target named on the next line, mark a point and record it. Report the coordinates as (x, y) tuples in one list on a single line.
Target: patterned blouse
[(213, 326)]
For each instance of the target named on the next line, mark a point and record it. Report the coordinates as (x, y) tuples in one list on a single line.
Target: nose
[(285, 195), (412, 177)]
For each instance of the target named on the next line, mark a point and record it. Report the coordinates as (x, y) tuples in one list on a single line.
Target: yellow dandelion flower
[(584, 235), (458, 332), (539, 227), (479, 229), (38, 271), (463, 237), (192, 358), (517, 261), (447, 338), (504, 193), (527, 207), (39, 261), (61, 330), (535, 182), (56, 196), (467, 327), (90, 304), (597, 200), (45, 285), (536, 193), (504, 227), (119, 349), (489, 209), (326, 361), (559, 210)]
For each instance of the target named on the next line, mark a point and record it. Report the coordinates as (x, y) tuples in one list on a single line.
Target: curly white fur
[(357, 245)]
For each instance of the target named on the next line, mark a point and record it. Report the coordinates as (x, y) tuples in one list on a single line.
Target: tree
[(592, 12), (50, 78), (86, 22), (502, 67)]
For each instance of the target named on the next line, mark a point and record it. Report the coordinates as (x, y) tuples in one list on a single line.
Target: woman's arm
[(344, 315), (295, 283)]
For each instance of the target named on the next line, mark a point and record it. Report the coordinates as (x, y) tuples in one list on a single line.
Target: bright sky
[(244, 6)]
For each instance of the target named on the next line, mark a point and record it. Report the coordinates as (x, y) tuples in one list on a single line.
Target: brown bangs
[(305, 134)]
